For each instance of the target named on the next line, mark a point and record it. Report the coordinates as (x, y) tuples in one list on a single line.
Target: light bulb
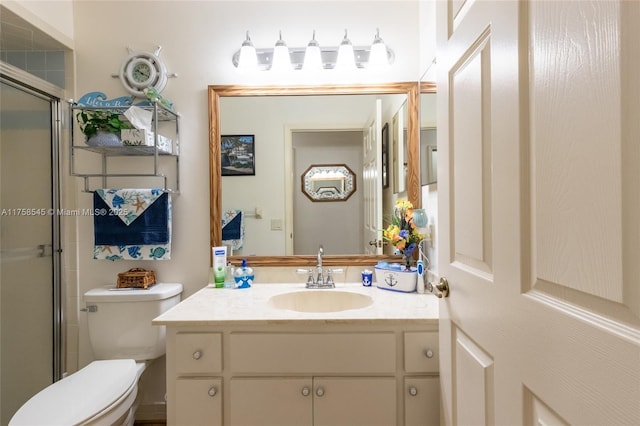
[(248, 60), (346, 60), (312, 56), (378, 54), (281, 58)]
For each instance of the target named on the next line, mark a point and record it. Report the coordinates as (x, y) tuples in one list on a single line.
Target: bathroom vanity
[(280, 354)]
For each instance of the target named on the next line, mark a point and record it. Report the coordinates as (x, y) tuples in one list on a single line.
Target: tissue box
[(396, 280), (144, 137)]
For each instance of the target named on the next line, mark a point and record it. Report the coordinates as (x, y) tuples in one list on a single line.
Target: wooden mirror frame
[(215, 92)]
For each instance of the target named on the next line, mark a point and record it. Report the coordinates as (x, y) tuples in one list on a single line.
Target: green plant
[(92, 122)]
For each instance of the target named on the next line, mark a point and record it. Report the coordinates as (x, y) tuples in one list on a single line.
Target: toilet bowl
[(124, 341)]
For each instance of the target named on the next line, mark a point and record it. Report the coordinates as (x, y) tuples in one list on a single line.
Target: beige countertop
[(211, 306)]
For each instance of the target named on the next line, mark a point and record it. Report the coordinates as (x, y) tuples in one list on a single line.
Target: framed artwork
[(237, 155), (385, 155)]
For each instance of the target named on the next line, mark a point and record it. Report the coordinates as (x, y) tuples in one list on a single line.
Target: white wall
[(198, 40)]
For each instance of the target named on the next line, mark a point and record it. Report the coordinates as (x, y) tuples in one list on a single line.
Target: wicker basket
[(136, 278)]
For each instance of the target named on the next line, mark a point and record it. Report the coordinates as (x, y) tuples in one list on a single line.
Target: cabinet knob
[(320, 391), (212, 391), (306, 391), (197, 355), (428, 353), (413, 391)]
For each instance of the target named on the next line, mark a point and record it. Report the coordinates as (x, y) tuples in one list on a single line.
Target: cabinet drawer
[(198, 353), (421, 352), (313, 353)]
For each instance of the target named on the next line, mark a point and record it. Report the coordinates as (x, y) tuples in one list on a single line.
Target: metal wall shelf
[(153, 153)]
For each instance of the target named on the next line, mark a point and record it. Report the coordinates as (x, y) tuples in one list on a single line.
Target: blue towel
[(233, 228), (149, 227)]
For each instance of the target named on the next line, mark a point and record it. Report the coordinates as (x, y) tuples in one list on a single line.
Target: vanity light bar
[(329, 55)]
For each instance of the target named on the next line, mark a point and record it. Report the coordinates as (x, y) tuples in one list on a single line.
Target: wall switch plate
[(276, 224)]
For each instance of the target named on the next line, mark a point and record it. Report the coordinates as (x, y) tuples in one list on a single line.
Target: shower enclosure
[(30, 288)]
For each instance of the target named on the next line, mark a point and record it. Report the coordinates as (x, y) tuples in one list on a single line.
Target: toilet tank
[(119, 320)]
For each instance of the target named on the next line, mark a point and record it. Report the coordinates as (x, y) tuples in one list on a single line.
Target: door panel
[(538, 190), (566, 220), (474, 382), (471, 148), (372, 180)]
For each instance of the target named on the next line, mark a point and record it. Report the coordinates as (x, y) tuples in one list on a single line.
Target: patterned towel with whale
[(132, 224)]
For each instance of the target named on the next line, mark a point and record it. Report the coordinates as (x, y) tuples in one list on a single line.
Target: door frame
[(289, 195)]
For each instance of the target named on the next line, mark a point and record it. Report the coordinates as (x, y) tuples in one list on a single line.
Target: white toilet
[(124, 341)]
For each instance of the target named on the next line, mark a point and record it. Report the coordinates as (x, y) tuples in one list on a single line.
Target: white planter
[(104, 139), (389, 279)]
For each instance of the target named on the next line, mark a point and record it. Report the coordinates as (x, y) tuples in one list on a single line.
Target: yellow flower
[(402, 233)]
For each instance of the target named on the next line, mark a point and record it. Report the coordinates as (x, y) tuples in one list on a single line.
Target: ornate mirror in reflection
[(328, 182)]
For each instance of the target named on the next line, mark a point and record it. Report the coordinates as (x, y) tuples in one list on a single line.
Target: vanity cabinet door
[(269, 401), (421, 401), (199, 401), (353, 401)]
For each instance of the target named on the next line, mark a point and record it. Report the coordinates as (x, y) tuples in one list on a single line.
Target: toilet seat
[(100, 393)]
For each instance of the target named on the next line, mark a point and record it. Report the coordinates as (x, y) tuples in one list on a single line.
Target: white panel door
[(539, 207), (372, 181)]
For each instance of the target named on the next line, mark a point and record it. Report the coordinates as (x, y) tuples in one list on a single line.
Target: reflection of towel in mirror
[(136, 224), (233, 228)]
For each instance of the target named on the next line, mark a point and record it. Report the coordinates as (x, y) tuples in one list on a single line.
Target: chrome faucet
[(320, 276), (316, 277)]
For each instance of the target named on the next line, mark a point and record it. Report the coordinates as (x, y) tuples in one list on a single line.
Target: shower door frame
[(35, 86)]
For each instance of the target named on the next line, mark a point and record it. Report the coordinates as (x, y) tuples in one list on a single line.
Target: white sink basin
[(320, 301)]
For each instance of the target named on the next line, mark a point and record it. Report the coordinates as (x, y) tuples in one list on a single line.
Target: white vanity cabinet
[(354, 373)]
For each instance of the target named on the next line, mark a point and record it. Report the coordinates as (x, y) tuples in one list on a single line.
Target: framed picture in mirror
[(237, 155), (385, 155)]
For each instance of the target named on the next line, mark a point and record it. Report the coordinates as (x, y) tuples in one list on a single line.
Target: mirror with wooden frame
[(410, 89)]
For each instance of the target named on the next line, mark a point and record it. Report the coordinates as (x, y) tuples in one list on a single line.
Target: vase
[(104, 139)]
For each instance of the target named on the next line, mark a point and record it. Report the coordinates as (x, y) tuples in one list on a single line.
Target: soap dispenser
[(243, 275)]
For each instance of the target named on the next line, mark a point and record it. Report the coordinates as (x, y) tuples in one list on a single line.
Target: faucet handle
[(309, 273), (329, 280)]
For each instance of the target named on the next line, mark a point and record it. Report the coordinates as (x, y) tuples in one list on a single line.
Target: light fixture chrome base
[(329, 56)]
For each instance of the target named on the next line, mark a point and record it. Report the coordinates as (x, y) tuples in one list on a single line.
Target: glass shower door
[(27, 224)]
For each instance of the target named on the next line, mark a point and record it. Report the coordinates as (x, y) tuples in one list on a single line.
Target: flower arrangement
[(402, 232)]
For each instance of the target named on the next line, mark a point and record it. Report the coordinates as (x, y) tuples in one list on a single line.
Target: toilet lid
[(79, 396)]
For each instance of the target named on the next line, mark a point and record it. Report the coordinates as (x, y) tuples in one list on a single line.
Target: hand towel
[(132, 224), (233, 228)]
